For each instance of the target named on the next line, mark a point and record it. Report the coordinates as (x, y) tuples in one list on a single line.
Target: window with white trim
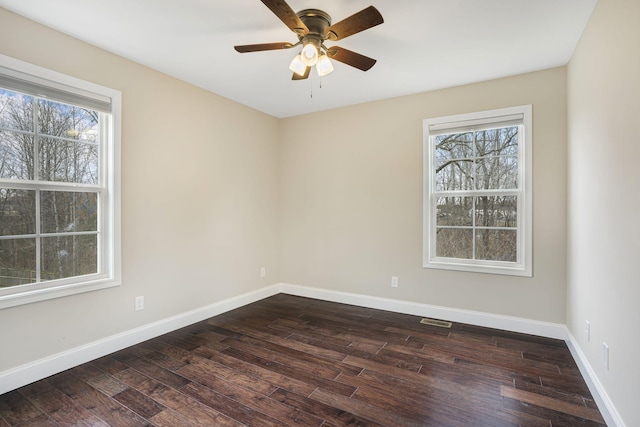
[(477, 192), (59, 203)]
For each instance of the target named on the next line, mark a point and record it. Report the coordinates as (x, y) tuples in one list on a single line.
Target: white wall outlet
[(139, 303), (587, 330), (605, 355), (263, 271), (394, 281)]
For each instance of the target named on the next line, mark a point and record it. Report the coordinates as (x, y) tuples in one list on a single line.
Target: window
[(59, 204), (477, 192)]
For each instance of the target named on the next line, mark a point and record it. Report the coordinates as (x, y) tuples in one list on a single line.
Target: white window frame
[(520, 115), (56, 86)]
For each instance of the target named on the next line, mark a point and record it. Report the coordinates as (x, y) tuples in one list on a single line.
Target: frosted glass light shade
[(324, 65), (297, 66), (309, 55)]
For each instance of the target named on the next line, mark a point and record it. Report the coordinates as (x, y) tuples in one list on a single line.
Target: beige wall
[(199, 194), (351, 200), (604, 198)]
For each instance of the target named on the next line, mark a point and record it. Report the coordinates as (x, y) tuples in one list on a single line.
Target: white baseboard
[(39, 369), (507, 323), (26, 374), (606, 406)]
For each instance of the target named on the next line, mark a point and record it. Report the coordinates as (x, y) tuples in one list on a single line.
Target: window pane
[(454, 146), (16, 155), (67, 121), (497, 142), (497, 173), (454, 211), (17, 262), (454, 243), (68, 256), (497, 166), (497, 211), (68, 161), (66, 211), (496, 245), (17, 212), (454, 175), (16, 110), (454, 162)]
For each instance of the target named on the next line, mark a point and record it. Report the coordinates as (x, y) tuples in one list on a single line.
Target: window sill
[(51, 292), (493, 268)]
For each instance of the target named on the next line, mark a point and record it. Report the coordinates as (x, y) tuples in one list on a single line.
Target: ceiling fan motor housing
[(317, 21)]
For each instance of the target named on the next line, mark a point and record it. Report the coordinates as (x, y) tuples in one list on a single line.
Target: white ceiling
[(422, 45)]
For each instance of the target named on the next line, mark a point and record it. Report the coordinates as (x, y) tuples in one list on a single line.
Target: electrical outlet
[(605, 355), (587, 330), (139, 303), (263, 271), (394, 281)]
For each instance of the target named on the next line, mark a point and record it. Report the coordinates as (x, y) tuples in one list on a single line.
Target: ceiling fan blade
[(263, 46), (302, 77), (363, 20), (283, 11), (350, 58)]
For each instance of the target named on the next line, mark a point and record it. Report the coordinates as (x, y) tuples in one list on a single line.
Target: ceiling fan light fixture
[(313, 27), (324, 65), (309, 54), (297, 66)]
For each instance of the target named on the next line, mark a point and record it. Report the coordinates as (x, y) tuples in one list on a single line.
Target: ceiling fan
[(313, 27)]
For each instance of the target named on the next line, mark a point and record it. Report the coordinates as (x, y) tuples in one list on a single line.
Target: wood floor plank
[(434, 398), (569, 383), (331, 415), (202, 368), (231, 407), (292, 372), (139, 403), (338, 327), (63, 410), (556, 419), (365, 410), (276, 379), (334, 353), (107, 384), (265, 405), (284, 356), (522, 419), (554, 404), (549, 392), (35, 388), (421, 353), (374, 365), (16, 408), (40, 421), (293, 361), (170, 418), (175, 400), (158, 373), (108, 365), (79, 391), (117, 415)]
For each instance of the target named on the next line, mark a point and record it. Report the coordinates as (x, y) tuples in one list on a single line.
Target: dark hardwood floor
[(288, 360)]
